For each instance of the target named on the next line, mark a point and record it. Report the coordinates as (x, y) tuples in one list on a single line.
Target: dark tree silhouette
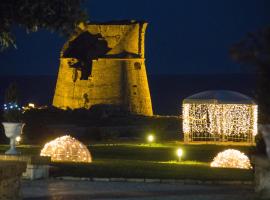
[(61, 16), (254, 50)]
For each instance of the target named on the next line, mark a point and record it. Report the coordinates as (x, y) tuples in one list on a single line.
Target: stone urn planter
[(265, 130), (12, 130)]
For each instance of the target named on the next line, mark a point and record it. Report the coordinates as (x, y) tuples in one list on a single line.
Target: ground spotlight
[(179, 154), (150, 138)]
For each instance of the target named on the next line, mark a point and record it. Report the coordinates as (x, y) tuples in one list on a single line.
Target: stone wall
[(10, 179), (117, 75), (37, 166), (262, 176)]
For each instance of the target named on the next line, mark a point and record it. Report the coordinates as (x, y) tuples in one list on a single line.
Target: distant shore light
[(31, 105)]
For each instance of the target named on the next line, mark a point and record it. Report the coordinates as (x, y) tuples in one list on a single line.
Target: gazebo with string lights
[(219, 116)]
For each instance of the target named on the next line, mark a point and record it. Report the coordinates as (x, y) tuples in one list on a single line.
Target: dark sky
[(183, 36)]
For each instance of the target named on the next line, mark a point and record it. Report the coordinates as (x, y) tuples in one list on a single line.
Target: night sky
[(183, 36)]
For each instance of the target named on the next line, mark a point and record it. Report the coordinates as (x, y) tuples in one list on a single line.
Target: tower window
[(137, 65)]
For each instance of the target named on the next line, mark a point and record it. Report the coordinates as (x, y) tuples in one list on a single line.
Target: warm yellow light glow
[(235, 122), (31, 105), (231, 158), (150, 138), (66, 149), (179, 152), (18, 139)]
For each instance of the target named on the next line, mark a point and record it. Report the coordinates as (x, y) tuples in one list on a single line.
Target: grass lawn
[(162, 152), (149, 169), (132, 160)]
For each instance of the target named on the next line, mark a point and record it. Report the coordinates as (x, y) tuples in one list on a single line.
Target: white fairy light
[(255, 122), (231, 158), (66, 149), (230, 120)]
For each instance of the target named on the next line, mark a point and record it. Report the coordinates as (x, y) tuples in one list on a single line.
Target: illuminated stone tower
[(103, 63)]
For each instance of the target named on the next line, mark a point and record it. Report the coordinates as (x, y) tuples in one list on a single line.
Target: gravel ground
[(81, 190)]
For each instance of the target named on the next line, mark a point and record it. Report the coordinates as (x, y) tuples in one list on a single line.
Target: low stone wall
[(262, 177), (37, 166), (10, 179), (156, 180)]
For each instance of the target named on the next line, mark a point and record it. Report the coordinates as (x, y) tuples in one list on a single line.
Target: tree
[(254, 50), (61, 16)]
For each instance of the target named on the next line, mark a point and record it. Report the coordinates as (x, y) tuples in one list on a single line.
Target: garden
[(144, 160), (101, 122), (122, 145)]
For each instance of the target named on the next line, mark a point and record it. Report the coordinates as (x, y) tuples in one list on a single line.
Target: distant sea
[(167, 91)]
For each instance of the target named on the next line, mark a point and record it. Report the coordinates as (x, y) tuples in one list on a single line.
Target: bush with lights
[(231, 158), (66, 149)]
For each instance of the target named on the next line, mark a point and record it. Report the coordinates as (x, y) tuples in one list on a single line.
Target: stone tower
[(103, 63)]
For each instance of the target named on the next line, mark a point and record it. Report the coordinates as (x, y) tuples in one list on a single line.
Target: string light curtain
[(219, 116)]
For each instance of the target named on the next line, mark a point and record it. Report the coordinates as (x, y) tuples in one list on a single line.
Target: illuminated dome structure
[(66, 149), (231, 158), (220, 116)]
